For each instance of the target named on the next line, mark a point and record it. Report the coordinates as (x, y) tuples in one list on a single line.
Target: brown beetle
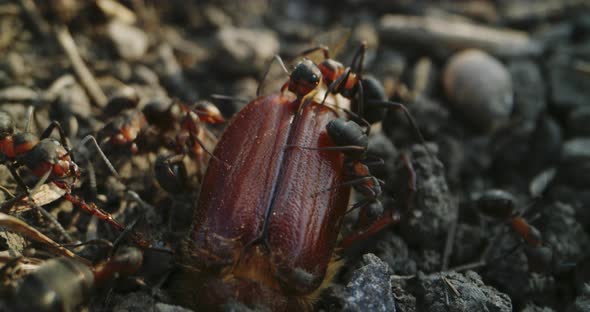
[(266, 227)]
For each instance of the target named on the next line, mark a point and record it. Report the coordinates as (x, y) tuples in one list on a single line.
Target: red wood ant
[(266, 228), (132, 127), (499, 205), (61, 284), (50, 159)]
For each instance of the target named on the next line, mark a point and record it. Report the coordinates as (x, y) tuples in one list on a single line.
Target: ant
[(500, 205), (350, 83), (130, 123), (61, 284), (136, 130), (349, 136), (352, 140), (48, 159)]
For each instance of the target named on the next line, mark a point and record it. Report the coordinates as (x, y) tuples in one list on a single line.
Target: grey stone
[(370, 287), (130, 42), (459, 292), (245, 51)]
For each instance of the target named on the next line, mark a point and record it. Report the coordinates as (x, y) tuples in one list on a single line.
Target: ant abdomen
[(347, 132), (495, 203)]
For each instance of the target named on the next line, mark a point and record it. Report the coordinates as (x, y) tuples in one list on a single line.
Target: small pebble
[(130, 42), (479, 87), (370, 287), (245, 51)]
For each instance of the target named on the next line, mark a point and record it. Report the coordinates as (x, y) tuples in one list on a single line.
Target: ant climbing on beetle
[(350, 138)]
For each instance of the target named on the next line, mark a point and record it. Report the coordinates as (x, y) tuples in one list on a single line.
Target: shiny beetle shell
[(263, 231)]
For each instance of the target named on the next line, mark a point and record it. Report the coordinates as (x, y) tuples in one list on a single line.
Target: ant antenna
[(229, 98), (275, 58), (91, 139)]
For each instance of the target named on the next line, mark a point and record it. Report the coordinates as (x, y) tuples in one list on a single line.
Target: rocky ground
[(499, 89)]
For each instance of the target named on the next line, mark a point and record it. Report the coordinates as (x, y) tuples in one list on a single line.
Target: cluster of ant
[(174, 126), (178, 128)]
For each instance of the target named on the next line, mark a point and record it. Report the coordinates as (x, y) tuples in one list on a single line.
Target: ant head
[(331, 69), (24, 142), (125, 98), (171, 174), (305, 78), (50, 155), (497, 204), (347, 132), (158, 112), (6, 125), (127, 260), (208, 112)]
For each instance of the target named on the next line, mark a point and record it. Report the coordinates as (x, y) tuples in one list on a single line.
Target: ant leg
[(92, 209), (411, 181), (128, 230), (342, 148), (373, 161), (354, 182), (337, 85), (92, 179), (229, 98), (30, 114), (91, 139), (45, 213), (358, 59), (325, 50), (195, 138), (377, 226), (62, 136), (360, 107), (413, 124), (275, 58), (389, 217)]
